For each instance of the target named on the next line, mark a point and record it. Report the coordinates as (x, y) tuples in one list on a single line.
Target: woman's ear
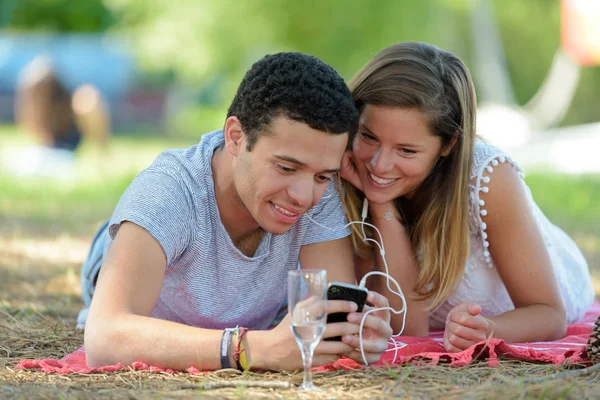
[(235, 138), (450, 146)]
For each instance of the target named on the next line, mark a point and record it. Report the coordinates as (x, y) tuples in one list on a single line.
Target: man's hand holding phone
[(277, 348), (376, 329), (347, 292), (283, 354)]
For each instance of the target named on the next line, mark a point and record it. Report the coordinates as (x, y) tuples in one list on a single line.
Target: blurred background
[(92, 90)]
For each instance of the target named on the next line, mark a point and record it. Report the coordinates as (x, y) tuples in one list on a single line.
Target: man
[(203, 239)]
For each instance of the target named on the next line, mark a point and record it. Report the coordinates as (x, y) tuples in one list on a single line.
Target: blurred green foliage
[(194, 41), (200, 38), (55, 15)]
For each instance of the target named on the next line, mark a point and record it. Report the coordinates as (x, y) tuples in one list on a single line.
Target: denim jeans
[(92, 264)]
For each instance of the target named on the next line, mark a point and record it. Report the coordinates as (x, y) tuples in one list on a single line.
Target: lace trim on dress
[(480, 186)]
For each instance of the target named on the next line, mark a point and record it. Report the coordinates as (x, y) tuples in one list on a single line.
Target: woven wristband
[(243, 358), (225, 341), (240, 351)]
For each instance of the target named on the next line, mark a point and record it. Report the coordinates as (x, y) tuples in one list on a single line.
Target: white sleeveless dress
[(481, 282)]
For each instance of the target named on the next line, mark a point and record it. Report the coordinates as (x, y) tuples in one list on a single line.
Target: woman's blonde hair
[(423, 77)]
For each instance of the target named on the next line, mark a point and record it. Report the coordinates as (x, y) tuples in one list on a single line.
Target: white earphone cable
[(363, 281)]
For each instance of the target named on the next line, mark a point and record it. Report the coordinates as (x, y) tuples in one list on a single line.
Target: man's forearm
[(129, 338)]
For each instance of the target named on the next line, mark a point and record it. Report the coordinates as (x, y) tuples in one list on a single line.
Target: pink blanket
[(570, 349)]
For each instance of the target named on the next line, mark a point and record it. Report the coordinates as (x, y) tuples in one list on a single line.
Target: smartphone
[(345, 291)]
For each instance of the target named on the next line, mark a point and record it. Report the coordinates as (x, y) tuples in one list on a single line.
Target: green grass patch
[(34, 205), (569, 201), (50, 208)]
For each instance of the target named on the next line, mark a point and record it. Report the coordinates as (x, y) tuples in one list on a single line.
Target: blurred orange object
[(580, 30)]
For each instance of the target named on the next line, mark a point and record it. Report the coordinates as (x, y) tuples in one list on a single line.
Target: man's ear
[(235, 138), (448, 149)]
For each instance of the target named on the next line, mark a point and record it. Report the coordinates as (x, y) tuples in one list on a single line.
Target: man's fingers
[(377, 300), (324, 359), (332, 347), (357, 356), (337, 306), (340, 329), (380, 301), (378, 345), (311, 307), (373, 322)]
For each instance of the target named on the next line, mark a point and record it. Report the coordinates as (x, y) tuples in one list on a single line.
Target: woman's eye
[(408, 152), (368, 137)]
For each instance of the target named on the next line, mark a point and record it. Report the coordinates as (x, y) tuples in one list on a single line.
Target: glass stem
[(307, 356)]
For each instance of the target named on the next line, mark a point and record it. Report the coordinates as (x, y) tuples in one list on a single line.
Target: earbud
[(365, 209)]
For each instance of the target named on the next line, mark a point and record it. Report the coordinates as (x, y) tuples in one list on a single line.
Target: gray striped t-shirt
[(208, 282)]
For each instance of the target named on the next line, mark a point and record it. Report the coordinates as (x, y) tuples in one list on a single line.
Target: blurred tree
[(209, 44), (206, 42), (56, 15), (7, 8), (198, 38), (530, 32)]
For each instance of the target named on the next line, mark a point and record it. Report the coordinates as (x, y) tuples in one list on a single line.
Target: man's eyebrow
[(370, 132), (302, 164)]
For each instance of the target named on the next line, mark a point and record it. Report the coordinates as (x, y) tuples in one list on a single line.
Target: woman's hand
[(465, 327), (376, 330), (348, 170)]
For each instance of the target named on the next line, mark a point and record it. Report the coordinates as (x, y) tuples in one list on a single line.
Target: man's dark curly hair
[(296, 86)]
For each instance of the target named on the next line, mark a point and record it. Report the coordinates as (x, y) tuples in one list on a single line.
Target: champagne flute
[(307, 306)]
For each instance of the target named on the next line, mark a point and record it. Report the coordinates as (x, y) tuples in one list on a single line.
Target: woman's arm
[(522, 260), (520, 255), (400, 257)]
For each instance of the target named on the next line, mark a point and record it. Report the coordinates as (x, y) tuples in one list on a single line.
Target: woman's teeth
[(382, 181)]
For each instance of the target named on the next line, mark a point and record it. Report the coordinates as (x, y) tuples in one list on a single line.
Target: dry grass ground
[(44, 237)]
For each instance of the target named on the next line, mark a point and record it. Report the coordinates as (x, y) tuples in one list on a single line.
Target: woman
[(462, 233)]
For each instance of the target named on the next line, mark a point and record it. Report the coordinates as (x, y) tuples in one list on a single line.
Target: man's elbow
[(103, 346)]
